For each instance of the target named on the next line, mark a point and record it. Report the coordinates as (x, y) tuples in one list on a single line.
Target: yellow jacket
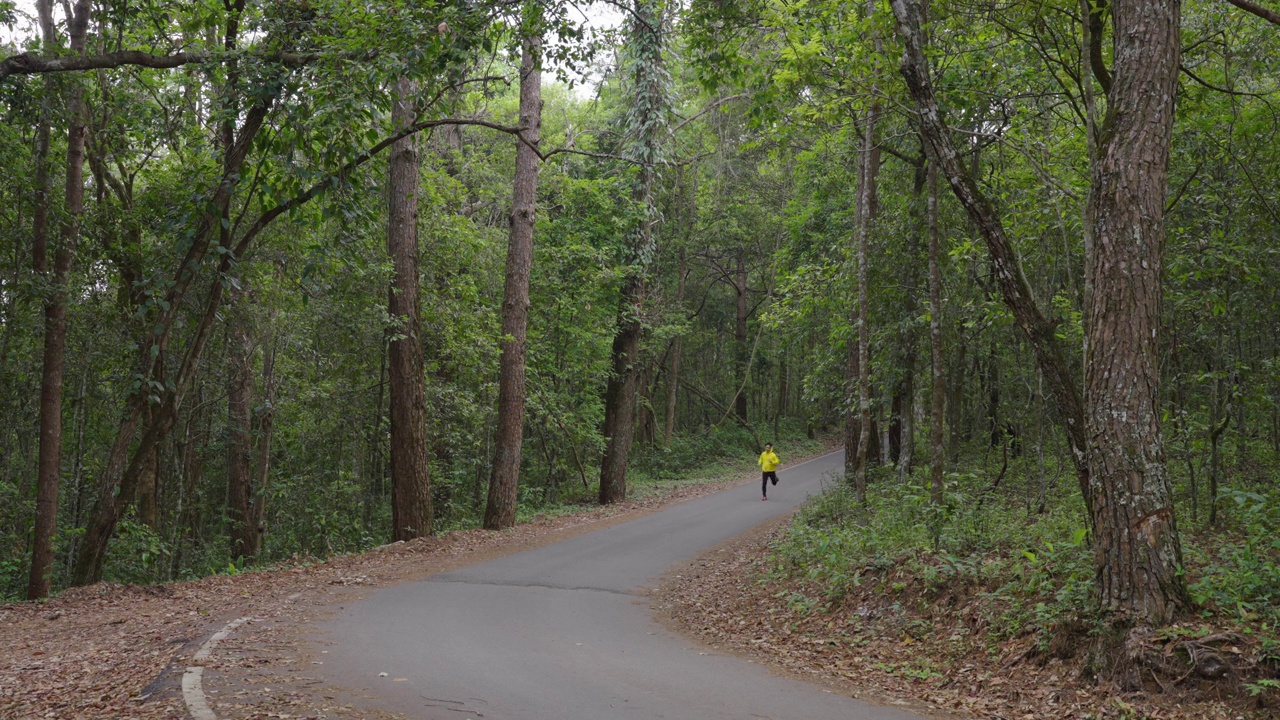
[(769, 461)]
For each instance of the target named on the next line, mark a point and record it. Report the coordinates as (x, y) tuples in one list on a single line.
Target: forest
[(287, 279)]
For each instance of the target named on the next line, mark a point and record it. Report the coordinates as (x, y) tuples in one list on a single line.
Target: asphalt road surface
[(564, 632)]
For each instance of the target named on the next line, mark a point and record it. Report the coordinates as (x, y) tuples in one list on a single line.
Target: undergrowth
[(333, 516), (1018, 570)]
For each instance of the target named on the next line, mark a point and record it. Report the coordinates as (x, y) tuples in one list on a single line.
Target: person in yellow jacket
[(768, 465)]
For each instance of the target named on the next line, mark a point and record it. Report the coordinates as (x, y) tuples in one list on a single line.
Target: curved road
[(563, 632)]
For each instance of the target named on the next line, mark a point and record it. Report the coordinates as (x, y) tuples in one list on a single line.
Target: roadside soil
[(119, 651), (900, 647)]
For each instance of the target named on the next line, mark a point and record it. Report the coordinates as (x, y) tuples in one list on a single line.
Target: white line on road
[(193, 678)]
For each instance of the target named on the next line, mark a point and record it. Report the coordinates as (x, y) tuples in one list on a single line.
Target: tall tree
[(868, 172), (1137, 551), (49, 466), (410, 469), (1114, 434), (244, 540), (500, 512), (646, 122)]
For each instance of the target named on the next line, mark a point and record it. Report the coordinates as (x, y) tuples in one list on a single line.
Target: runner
[(768, 464)]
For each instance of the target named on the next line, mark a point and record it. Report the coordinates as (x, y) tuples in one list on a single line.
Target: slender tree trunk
[(149, 489), (1014, 288), (501, 509), (240, 433), (904, 401), (620, 390), (49, 465), (673, 377), (869, 156), (377, 489), (46, 521), (740, 336), (783, 389), (77, 473), (995, 430), (1137, 551), (852, 416), (937, 354), (410, 471), (266, 432), (1219, 419)]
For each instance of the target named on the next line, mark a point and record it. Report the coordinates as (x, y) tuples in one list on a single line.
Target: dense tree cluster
[(296, 277)]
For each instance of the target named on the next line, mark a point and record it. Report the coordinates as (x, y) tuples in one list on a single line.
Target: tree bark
[(620, 396), (49, 464), (620, 390), (148, 507), (266, 432), (503, 483), (1137, 551), (410, 471)]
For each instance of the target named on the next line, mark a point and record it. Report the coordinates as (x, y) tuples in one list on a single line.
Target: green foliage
[(1035, 571), (137, 555), (13, 579), (1239, 576)]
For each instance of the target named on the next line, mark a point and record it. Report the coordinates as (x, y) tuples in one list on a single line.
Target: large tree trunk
[(1136, 546), (621, 390), (620, 396), (410, 471), (49, 465), (501, 509), (148, 507)]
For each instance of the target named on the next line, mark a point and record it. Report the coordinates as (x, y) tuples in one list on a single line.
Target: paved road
[(563, 632)]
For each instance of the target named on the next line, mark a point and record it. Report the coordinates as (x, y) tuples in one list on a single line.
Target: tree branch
[(1270, 16), (1187, 71), (29, 64), (714, 104)]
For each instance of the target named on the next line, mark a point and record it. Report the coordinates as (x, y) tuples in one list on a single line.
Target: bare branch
[(1187, 71), (715, 104)]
